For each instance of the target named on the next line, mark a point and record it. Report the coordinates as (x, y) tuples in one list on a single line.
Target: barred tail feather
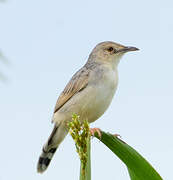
[(44, 159), (49, 149)]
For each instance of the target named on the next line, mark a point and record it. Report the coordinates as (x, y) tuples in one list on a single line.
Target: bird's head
[(110, 52)]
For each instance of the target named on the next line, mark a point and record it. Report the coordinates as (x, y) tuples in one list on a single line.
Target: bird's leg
[(95, 130)]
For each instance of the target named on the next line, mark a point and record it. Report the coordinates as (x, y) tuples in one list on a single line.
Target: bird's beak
[(127, 49)]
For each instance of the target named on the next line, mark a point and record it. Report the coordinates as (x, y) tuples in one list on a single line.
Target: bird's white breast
[(93, 101), (99, 95)]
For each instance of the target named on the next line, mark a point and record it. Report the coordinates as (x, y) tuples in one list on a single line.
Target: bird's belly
[(91, 102), (96, 103)]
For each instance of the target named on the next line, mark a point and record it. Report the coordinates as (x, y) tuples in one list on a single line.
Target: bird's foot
[(119, 137), (95, 130)]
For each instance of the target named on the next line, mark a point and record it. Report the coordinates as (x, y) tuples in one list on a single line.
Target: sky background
[(46, 42)]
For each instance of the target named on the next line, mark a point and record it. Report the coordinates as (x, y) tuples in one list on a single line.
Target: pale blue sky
[(46, 42)]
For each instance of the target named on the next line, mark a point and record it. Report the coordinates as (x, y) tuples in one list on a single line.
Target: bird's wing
[(77, 83)]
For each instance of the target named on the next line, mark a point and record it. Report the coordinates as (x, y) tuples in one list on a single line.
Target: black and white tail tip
[(45, 159)]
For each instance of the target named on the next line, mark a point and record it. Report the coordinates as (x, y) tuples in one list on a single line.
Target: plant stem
[(86, 173)]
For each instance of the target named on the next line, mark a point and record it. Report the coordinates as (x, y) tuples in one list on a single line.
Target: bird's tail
[(44, 159), (50, 148)]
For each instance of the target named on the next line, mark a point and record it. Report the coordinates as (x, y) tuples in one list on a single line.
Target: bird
[(88, 94)]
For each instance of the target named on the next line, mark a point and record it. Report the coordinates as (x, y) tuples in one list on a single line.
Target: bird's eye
[(110, 49)]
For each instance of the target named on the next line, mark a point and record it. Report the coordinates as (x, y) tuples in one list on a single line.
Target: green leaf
[(138, 167)]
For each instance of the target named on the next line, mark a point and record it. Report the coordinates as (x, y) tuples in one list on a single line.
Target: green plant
[(138, 167), (81, 135)]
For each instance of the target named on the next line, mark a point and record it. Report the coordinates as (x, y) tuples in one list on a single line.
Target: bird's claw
[(95, 130), (117, 135)]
